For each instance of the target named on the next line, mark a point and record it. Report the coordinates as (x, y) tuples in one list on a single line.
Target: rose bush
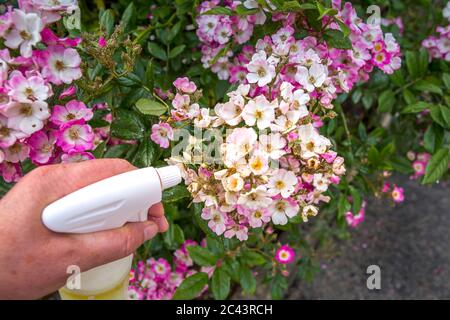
[(284, 116)]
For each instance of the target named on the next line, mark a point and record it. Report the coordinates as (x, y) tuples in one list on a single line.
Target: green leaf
[(178, 234), (219, 11), (423, 60), (440, 114), (337, 39), (241, 10), (175, 194), (416, 107), (398, 78), (220, 284), (373, 156), (247, 280), (446, 80), (117, 151), (127, 125), (386, 101), (174, 31), (278, 286), (357, 200), (202, 256), (191, 287), (150, 107), (437, 166), (426, 86), (252, 258), (343, 206), (107, 21), (156, 51), (433, 138), (326, 12), (412, 64), (145, 154), (344, 28), (128, 17), (176, 51), (100, 150), (290, 6), (408, 96), (367, 99)]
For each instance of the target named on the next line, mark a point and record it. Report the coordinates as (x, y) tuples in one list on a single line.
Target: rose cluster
[(439, 46), (155, 279), (36, 63), (341, 67), (273, 164), (216, 32)]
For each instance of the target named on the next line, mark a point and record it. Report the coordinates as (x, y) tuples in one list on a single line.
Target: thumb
[(101, 247)]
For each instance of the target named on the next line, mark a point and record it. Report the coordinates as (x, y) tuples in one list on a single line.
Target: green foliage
[(191, 286), (375, 125)]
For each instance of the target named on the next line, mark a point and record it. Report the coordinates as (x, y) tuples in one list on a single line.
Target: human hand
[(34, 259)]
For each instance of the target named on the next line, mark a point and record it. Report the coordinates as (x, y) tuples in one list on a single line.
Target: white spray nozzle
[(170, 176), (110, 203)]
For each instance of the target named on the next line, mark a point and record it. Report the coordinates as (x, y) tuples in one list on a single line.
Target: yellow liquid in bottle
[(119, 292)]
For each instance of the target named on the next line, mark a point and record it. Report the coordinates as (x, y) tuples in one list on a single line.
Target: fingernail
[(161, 222), (150, 231)]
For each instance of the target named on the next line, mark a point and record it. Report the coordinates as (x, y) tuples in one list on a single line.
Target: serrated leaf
[(416, 107), (373, 155), (99, 150), (150, 107), (386, 101), (176, 51), (220, 284), (423, 60), (175, 194), (191, 287), (127, 125), (178, 234), (128, 17), (156, 51), (426, 86), (446, 80), (336, 39), (174, 31), (412, 64), (247, 280), (201, 256), (117, 151), (107, 21), (440, 114), (408, 96), (437, 166), (145, 154), (252, 258)]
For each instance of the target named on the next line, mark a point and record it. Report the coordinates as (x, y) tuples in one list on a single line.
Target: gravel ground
[(410, 243)]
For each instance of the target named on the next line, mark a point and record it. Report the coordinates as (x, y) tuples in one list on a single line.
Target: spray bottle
[(104, 205)]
